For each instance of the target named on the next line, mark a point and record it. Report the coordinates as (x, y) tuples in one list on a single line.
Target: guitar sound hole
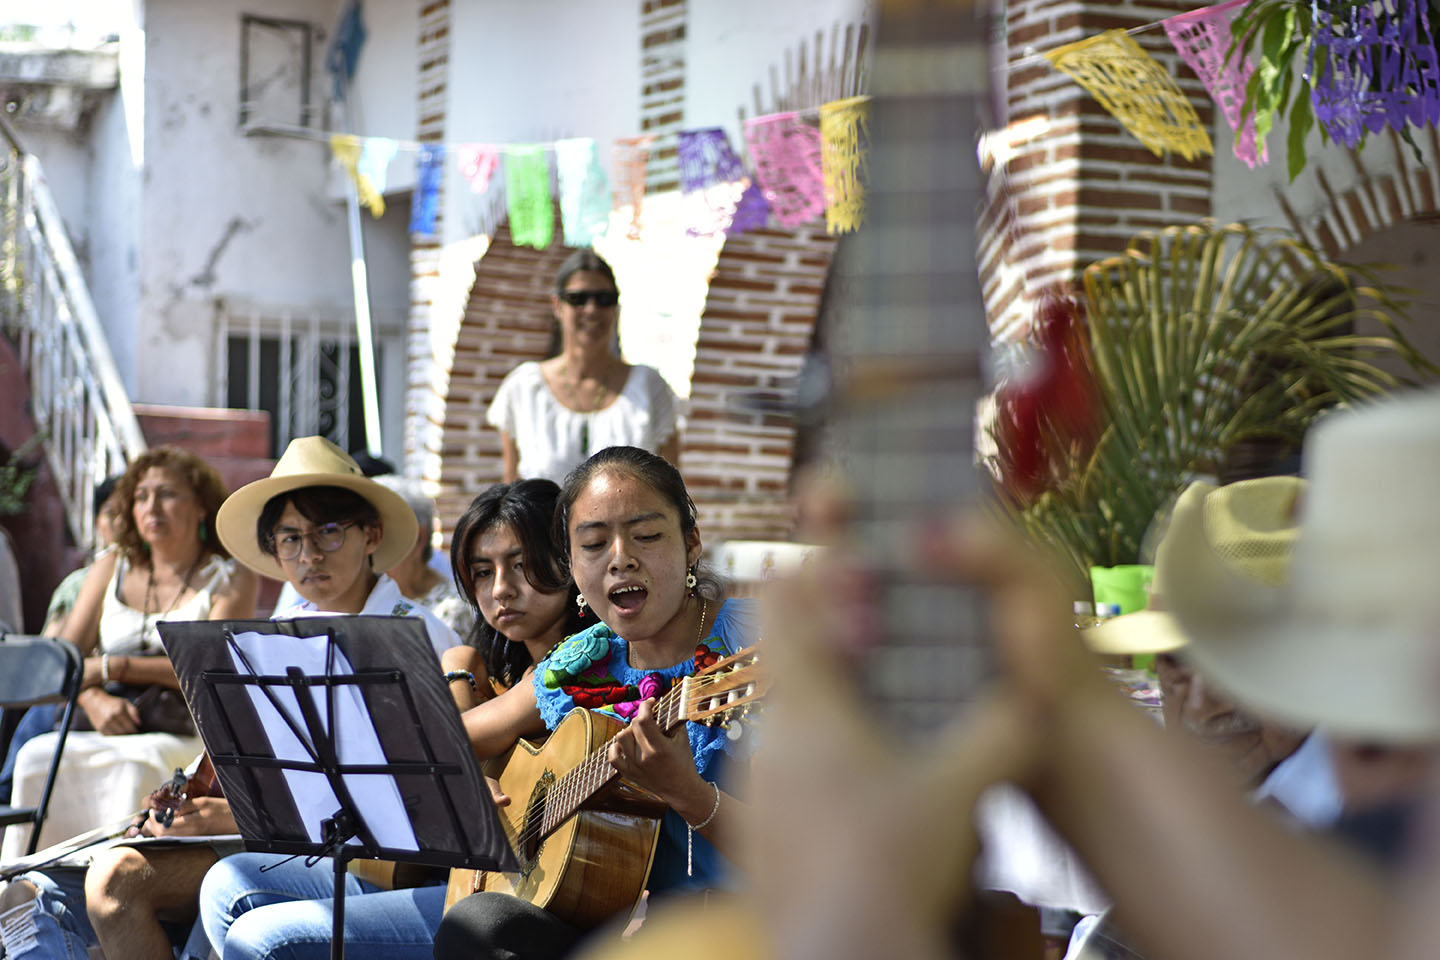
[(530, 838)]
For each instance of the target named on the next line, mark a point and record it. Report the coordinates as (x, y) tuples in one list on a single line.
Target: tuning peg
[(734, 730)]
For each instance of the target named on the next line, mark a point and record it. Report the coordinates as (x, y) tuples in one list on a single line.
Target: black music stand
[(336, 736)]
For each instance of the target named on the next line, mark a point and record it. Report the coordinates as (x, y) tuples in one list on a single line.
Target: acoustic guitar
[(584, 836)]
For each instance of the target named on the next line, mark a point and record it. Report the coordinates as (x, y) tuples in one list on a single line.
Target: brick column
[(662, 87), (758, 322), (427, 381), (507, 321), (1082, 187)]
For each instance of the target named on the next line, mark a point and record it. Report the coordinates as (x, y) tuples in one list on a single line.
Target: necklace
[(599, 397), (572, 400), (174, 601), (700, 633)]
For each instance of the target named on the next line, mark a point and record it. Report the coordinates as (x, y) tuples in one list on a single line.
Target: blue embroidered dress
[(592, 669)]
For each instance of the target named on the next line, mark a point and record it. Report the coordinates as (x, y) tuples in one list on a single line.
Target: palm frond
[(1202, 337)]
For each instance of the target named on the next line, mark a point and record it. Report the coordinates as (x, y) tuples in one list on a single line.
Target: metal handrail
[(76, 395)]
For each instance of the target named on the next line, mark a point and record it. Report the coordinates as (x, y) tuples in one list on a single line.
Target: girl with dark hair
[(628, 527), (553, 414), (508, 568)]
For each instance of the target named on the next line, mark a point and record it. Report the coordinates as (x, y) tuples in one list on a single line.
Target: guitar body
[(594, 864)]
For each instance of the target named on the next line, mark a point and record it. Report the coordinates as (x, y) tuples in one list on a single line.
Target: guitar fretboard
[(910, 342), (570, 792)]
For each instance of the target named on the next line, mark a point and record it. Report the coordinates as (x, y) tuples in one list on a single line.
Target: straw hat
[(312, 462), (1352, 641), (1248, 529)]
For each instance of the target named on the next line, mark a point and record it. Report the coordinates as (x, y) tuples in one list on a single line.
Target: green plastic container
[(1127, 585)]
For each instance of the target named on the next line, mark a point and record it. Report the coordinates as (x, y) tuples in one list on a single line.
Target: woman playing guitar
[(633, 544), (631, 534)]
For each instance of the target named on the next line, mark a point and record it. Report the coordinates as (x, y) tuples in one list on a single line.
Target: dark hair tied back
[(583, 260), (655, 472)]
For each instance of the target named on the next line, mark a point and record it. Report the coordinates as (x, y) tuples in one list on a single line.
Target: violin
[(171, 795), (162, 805)]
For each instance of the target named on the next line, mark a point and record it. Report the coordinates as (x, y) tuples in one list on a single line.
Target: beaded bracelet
[(104, 668), (690, 832), (453, 675)]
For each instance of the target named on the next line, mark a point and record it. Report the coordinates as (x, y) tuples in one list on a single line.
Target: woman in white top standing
[(553, 414)]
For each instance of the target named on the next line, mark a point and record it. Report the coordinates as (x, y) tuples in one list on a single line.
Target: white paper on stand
[(376, 796)]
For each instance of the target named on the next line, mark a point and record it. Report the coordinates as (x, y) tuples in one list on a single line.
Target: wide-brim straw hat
[(1249, 528), (313, 462), (1352, 641)]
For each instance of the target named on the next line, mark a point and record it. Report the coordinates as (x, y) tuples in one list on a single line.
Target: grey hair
[(413, 493)]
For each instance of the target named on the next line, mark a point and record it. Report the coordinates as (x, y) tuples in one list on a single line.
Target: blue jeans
[(62, 930), (37, 720), (62, 927), (285, 912)]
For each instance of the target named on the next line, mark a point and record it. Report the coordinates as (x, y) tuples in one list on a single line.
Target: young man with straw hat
[(318, 523), (1251, 526)]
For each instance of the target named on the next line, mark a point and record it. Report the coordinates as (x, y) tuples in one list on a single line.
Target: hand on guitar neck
[(661, 763)]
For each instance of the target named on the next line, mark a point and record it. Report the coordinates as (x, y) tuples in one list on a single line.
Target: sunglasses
[(601, 298)]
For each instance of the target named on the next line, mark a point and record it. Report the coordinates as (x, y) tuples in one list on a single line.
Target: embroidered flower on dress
[(704, 656), (577, 654)]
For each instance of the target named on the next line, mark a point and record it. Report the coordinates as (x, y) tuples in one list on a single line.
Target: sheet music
[(377, 796)]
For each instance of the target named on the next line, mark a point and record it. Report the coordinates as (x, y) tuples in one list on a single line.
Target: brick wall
[(426, 381), (507, 320), (758, 322), (662, 87), (1079, 189), (1388, 188)]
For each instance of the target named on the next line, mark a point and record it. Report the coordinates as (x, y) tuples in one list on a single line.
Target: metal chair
[(36, 670)]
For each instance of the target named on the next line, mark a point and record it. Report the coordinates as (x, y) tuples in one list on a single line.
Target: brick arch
[(507, 321), (758, 322), (1385, 193)]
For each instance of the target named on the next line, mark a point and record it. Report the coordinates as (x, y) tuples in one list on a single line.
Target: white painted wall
[(383, 92), (733, 44), (224, 215), (94, 174), (538, 70), (1410, 253)]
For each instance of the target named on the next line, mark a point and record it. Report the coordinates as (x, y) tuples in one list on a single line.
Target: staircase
[(76, 399)]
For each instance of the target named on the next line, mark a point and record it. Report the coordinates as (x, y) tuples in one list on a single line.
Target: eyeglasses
[(601, 298), (328, 537)]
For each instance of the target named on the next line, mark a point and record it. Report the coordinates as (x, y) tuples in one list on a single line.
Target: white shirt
[(1304, 784), (125, 630), (552, 439), (385, 600)]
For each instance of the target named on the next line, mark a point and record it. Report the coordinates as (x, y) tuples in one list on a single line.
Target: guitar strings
[(595, 766)]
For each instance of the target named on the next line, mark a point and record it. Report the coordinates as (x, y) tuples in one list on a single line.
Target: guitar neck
[(909, 346)]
